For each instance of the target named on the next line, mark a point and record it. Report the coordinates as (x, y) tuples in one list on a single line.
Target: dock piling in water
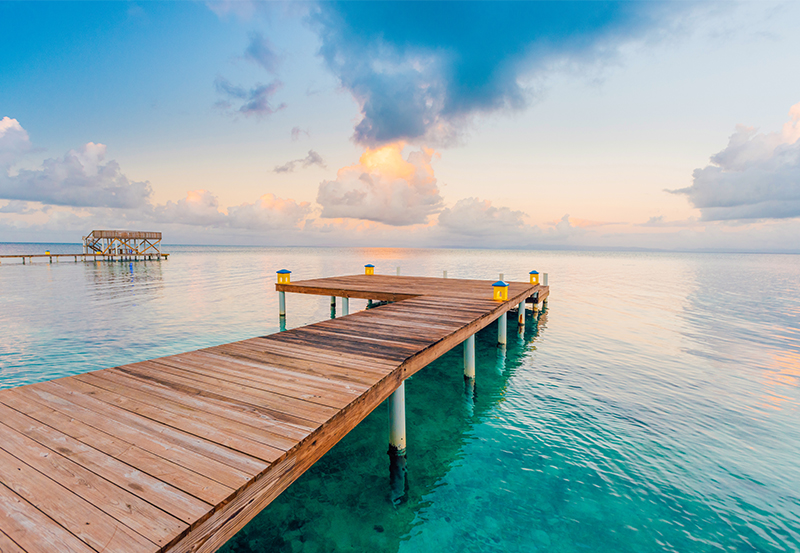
[(469, 357)]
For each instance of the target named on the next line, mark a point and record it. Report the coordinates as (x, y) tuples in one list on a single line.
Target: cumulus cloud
[(14, 141), (384, 187), (79, 179), (313, 158), (261, 52), (18, 207), (421, 70), (268, 213), (201, 208), (252, 101), (756, 176), (475, 217)]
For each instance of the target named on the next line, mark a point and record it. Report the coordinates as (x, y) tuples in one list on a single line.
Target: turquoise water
[(655, 406)]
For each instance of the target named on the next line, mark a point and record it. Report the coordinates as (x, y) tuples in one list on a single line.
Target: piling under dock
[(179, 453)]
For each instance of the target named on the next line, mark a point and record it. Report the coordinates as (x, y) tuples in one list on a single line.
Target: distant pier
[(107, 245), (177, 454)]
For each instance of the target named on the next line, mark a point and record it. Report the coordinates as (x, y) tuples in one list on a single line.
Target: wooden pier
[(179, 453), (86, 257)]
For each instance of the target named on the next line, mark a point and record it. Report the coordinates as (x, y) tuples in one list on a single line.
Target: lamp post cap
[(534, 273), (500, 283), (283, 272), (369, 265)]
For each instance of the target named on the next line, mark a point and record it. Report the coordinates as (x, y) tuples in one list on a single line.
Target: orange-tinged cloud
[(384, 187)]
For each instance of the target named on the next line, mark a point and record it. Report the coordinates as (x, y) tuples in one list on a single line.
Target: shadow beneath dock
[(354, 499)]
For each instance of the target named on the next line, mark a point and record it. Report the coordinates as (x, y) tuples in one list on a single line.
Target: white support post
[(502, 276), (282, 304), (469, 357), (444, 274), (502, 329), (521, 314), (398, 271), (544, 279), (397, 421), (345, 306)]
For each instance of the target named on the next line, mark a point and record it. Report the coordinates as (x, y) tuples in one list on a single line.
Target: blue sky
[(563, 124)]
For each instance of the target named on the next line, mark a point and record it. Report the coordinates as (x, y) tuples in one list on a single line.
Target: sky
[(599, 125)]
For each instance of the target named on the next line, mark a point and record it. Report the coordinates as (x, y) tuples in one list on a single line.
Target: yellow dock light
[(534, 277), (500, 291), (369, 269), (47, 252), (284, 276)]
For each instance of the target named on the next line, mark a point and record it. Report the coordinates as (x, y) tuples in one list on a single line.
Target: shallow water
[(655, 406)]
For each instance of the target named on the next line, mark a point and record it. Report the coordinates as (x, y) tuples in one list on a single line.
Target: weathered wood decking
[(177, 454)]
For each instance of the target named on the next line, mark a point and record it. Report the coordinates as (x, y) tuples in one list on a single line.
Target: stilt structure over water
[(108, 245), (122, 242), (177, 454)]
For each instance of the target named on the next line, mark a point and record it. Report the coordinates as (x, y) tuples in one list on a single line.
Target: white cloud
[(79, 179), (475, 217), (14, 141), (201, 208), (383, 187), (756, 176), (268, 213)]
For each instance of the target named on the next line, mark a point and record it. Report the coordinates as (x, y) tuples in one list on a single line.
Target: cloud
[(475, 217), (14, 141), (422, 70), (660, 222), (18, 207), (253, 101), (201, 208), (79, 179), (268, 213), (756, 176), (383, 187), (261, 52), (313, 158), (297, 132)]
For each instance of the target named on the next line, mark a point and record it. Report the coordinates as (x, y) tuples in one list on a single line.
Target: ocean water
[(655, 405)]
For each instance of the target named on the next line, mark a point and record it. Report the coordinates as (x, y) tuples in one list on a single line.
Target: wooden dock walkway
[(86, 257), (177, 454)]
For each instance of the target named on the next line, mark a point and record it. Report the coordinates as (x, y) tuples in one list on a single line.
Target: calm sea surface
[(655, 406)]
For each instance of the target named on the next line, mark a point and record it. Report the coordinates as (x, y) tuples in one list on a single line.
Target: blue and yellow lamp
[(284, 276), (369, 269), (534, 277), (500, 291)]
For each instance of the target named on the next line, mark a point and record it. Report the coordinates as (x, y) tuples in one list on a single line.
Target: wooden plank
[(270, 378), (184, 423), (33, 530), (282, 407), (7, 545), (133, 498), (207, 415), (82, 519), (163, 441), (200, 486)]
